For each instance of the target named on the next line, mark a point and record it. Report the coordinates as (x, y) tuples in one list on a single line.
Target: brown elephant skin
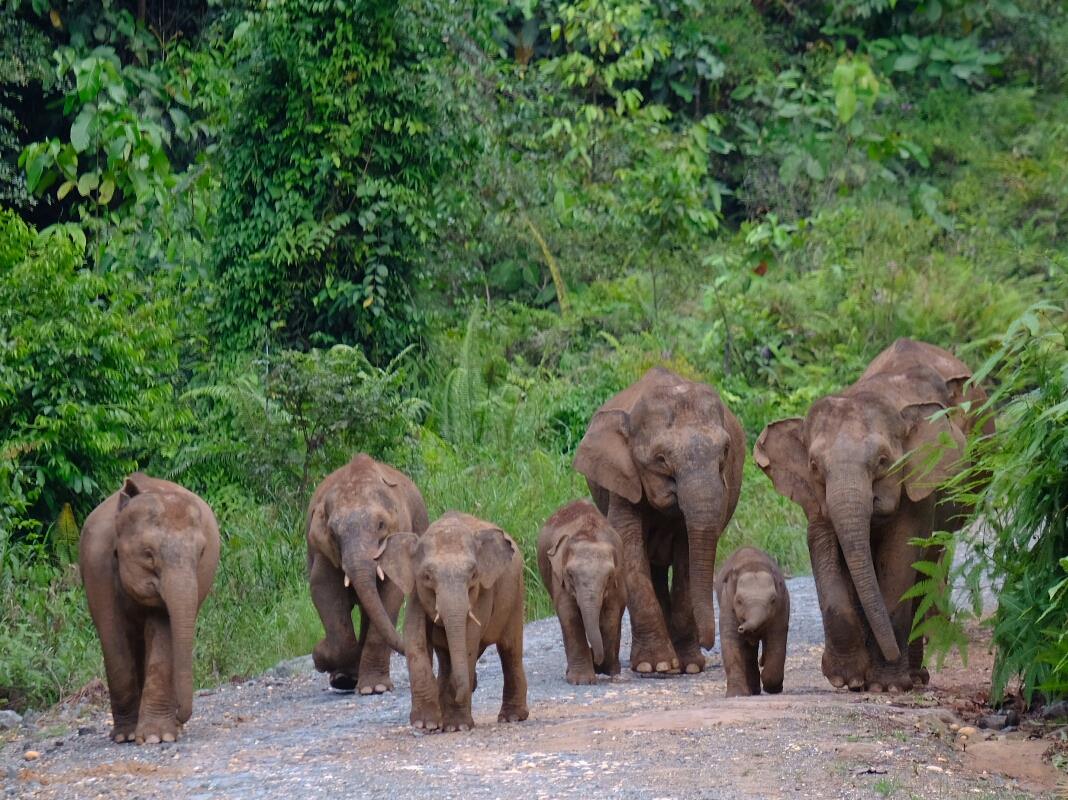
[(864, 464), (663, 459), (148, 555), (580, 559), (754, 620), (464, 582), (350, 516)]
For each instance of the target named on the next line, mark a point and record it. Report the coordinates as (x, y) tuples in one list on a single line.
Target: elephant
[(865, 466), (754, 613), (663, 460), (148, 555), (350, 515), (580, 559), (464, 582)]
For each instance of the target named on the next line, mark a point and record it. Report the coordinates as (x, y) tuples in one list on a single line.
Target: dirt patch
[(1021, 759)]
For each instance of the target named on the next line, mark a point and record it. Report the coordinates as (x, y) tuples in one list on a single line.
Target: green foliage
[(1018, 482), (330, 164), (83, 374)]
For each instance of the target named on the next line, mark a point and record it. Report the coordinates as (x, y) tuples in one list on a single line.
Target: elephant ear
[(780, 451), (604, 457), (133, 486), (495, 551), (934, 448), (394, 558), (557, 554)]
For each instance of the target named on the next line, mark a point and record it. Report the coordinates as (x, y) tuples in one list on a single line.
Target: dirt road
[(284, 736)]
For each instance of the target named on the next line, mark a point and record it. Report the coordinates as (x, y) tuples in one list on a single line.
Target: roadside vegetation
[(241, 241)]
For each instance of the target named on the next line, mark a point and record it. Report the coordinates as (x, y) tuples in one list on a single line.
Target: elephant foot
[(342, 682), (889, 679), (693, 663), (846, 669), (580, 677), (374, 684), (611, 669), (920, 676), (458, 721), (425, 719), (155, 730), (738, 691), (647, 661), (123, 732), (773, 688), (513, 713)]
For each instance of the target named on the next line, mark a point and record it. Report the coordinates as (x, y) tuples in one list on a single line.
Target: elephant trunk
[(589, 604), (179, 594), (702, 502), (754, 620), (363, 572), (849, 504), (454, 614)]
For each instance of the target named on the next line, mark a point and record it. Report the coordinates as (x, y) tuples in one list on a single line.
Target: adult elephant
[(350, 515), (663, 460), (843, 464)]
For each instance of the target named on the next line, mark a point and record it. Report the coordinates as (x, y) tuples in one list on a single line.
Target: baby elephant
[(464, 581), (754, 609), (148, 556), (580, 559)]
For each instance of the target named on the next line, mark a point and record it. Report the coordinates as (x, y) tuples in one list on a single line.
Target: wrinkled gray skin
[(350, 515), (865, 465), (663, 459), (464, 582), (148, 556), (580, 559), (754, 621)]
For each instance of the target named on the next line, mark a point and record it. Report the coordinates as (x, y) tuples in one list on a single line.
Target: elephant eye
[(812, 465), (661, 459), (884, 459)]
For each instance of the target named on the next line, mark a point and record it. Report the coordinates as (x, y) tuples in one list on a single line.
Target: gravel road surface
[(284, 735)]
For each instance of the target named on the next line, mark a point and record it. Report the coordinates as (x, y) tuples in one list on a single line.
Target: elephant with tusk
[(663, 460), (865, 466), (464, 581), (580, 559), (350, 516), (148, 555)]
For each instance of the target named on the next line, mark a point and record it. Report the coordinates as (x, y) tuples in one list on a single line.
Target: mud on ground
[(285, 735)]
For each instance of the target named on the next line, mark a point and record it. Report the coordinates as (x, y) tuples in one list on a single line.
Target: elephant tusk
[(348, 583), (437, 617), (381, 574), (471, 614)]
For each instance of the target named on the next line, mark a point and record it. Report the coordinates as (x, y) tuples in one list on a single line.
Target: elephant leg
[(681, 623), (651, 648), (846, 659), (773, 658), (894, 556), (751, 656), (917, 671), (376, 652), (576, 648), (156, 721), (732, 651), (123, 645), (426, 710), (510, 649), (454, 716), (338, 652), (611, 633)]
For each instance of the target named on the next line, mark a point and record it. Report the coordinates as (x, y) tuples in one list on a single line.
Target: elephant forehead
[(853, 416), (592, 552), (756, 584), (680, 403), (157, 510)]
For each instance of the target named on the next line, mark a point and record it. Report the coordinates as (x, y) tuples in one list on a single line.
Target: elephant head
[(754, 599), (848, 462), (586, 570), (358, 520), (679, 448), (445, 570), (160, 541)]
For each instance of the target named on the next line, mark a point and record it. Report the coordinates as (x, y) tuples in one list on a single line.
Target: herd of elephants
[(663, 460)]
